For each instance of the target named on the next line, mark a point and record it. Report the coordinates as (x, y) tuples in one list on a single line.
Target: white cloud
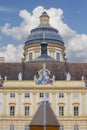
[(29, 22), (75, 43), (12, 53)]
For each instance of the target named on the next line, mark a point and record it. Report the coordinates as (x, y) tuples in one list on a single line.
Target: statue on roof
[(68, 76), (20, 76), (5, 77)]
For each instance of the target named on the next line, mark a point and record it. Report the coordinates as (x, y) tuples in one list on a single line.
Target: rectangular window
[(30, 56), (12, 95), (76, 127), (75, 95), (12, 110), (42, 95), (27, 111), (47, 95), (61, 111), (61, 127), (11, 127), (61, 95), (26, 127), (27, 95), (58, 56), (75, 111)]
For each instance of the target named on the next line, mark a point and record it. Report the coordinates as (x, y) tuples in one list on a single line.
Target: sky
[(18, 17)]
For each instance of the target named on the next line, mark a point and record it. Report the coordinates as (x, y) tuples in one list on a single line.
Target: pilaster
[(5, 104), (34, 102), (54, 101), (19, 103), (68, 104), (83, 103)]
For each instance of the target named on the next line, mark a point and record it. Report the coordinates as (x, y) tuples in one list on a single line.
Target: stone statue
[(68, 76), (20, 76), (82, 77), (53, 77), (5, 77), (44, 66), (35, 77)]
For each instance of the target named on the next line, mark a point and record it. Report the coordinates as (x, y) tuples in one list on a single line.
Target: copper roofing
[(51, 34), (44, 116), (44, 14)]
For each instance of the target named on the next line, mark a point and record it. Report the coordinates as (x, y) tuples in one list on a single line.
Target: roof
[(44, 14), (44, 57), (44, 116), (51, 35), (58, 69)]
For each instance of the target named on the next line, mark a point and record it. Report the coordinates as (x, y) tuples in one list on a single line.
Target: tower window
[(58, 56), (43, 48), (30, 56)]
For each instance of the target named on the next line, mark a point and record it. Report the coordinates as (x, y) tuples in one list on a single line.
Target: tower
[(44, 42)]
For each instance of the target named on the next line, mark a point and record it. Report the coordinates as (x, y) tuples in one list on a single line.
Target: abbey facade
[(44, 71)]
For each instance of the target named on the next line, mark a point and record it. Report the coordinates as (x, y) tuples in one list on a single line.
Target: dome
[(44, 32), (51, 35), (44, 14), (44, 42)]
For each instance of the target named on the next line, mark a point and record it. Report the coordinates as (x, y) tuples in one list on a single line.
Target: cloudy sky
[(18, 17)]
